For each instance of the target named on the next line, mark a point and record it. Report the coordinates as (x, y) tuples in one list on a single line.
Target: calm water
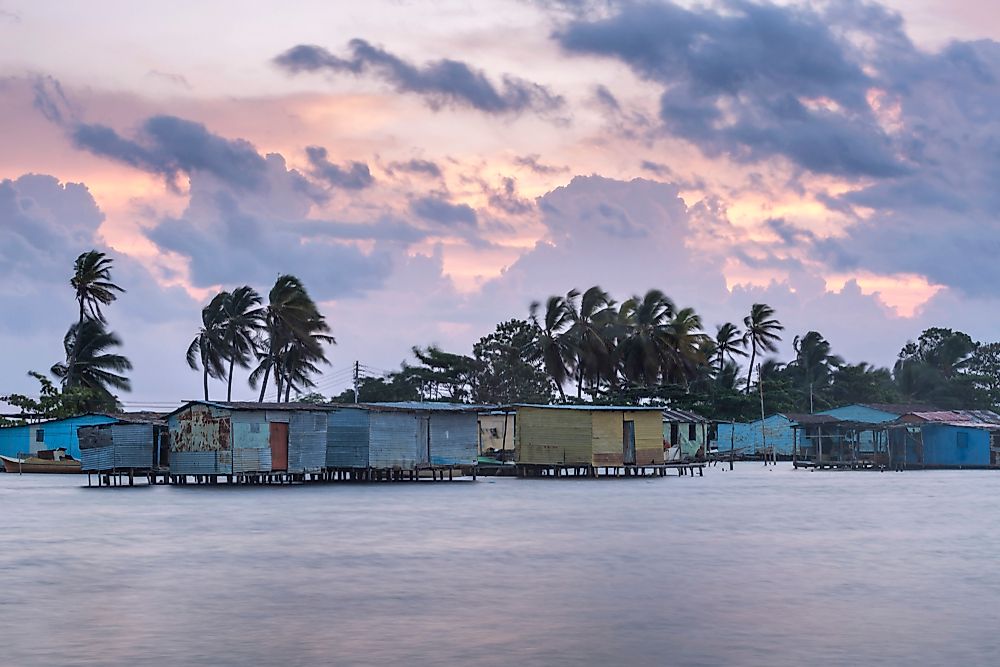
[(744, 567)]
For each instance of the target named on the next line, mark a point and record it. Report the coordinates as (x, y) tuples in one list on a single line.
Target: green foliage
[(54, 404), (509, 368), (312, 397), (393, 387)]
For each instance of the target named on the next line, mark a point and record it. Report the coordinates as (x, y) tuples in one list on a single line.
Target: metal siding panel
[(306, 441), (251, 459), (133, 445), (197, 463), (546, 436), (490, 424), (97, 458), (347, 438), (454, 438), (392, 440), (201, 428)]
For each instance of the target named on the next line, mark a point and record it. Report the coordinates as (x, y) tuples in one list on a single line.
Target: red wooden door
[(278, 439)]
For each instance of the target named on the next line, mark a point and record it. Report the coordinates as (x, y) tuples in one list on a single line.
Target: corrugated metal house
[(685, 434), (873, 413), (405, 436), (51, 434), (496, 431), (750, 439), (947, 438), (126, 444), (589, 435), (222, 438)]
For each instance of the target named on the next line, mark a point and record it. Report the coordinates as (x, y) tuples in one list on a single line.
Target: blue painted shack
[(404, 436), (750, 439), (947, 439), (232, 438), (872, 413), (50, 434)]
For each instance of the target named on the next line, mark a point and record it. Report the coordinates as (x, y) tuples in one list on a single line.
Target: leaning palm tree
[(729, 342), (92, 282), (761, 333), (242, 319), (686, 347), (89, 364), (293, 329), (814, 363), (591, 319), (646, 350), (552, 341), (208, 349)]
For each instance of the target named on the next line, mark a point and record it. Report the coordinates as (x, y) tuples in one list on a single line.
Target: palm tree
[(646, 345), (89, 364), (814, 364), (553, 343), (761, 333), (296, 333), (729, 342), (591, 320), (209, 346), (242, 318), (92, 282), (686, 347)]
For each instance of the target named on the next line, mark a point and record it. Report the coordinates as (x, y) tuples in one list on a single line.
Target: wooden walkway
[(530, 470), (128, 477)]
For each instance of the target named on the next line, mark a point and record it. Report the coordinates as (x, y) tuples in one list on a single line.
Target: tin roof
[(806, 419), (615, 408), (419, 406), (957, 416), (899, 408), (677, 415), (250, 405)]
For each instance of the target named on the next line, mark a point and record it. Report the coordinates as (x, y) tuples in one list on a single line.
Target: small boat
[(45, 460)]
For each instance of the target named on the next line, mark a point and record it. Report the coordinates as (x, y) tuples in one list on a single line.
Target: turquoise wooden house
[(872, 413), (751, 439), (946, 439), (50, 434)]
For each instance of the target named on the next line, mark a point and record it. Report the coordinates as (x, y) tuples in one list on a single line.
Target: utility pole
[(357, 377), (763, 435)]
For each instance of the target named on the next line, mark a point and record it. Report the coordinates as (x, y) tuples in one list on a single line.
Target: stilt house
[(589, 435)]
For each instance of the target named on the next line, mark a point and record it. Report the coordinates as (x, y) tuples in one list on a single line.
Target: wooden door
[(278, 439), (628, 442), (424, 440)]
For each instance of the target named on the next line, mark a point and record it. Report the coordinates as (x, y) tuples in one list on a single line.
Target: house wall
[(454, 438), (55, 434), (548, 436), (347, 438), (306, 441), (689, 447), (648, 436), (862, 413), (777, 433), (488, 424), (251, 441), (201, 441), (955, 445), (393, 439)]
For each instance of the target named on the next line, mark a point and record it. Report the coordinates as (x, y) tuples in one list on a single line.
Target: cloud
[(355, 176), (168, 145), (534, 163), (435, 209), (442, 82), (417, 166), (752, 82)]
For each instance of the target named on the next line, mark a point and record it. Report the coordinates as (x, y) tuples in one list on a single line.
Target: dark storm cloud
[(745, 82), (436, 209), (442, 82), (168, 145), (354, 176)]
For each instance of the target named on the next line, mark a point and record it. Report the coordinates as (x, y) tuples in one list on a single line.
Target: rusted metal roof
[(250, 405), (954, 416)]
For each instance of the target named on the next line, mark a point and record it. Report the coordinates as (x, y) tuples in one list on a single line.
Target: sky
[(431, 169)]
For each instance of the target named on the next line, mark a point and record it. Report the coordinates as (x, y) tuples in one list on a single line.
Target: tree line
[(587, 347)]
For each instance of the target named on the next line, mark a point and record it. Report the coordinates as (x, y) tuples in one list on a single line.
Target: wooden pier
[(128, 477), (533, 470)]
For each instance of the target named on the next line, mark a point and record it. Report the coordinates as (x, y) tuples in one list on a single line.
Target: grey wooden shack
[(127, 444), (407, 435), (223, 438)]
